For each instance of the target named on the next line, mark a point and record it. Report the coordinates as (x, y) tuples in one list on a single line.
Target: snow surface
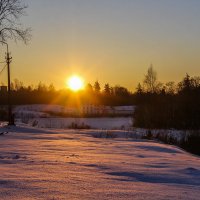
[(72, 164)]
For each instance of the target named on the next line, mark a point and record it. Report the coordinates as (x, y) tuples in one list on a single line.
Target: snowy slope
[(68, 164)]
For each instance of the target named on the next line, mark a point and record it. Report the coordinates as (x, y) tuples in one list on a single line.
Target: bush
[(106, 134), (148, 135), (74, 125), (35, 123)]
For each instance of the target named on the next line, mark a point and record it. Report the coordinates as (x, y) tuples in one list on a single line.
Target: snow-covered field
[(37, 115), (72, 164)]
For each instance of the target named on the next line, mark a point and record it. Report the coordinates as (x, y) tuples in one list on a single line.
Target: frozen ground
[(36, 115), (71, 164)]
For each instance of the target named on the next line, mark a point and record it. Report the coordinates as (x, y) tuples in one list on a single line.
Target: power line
[(3, 69)]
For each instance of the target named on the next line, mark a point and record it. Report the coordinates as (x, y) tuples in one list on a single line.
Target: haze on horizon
[(112, 41)]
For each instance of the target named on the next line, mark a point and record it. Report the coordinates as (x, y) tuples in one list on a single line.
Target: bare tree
[(10, 26), (150, 81)]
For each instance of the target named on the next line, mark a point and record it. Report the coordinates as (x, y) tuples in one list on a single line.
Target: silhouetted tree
[(89, 88), (171, 107), (17, 85), (150, 81), (42, 94), (111, 91), (107, 89), (139, 89), (196, 81), (170, 87), (121, 91), (97, 87), (41, 87), (10, 27), (51, 88), (186, 85)]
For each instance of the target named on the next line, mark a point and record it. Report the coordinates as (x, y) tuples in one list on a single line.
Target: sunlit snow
[(73, 164)]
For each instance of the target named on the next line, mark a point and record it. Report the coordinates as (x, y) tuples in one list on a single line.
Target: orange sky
[(111, 41)]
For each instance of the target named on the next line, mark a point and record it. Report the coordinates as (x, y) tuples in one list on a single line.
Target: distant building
[(92, 109), (118, 110)]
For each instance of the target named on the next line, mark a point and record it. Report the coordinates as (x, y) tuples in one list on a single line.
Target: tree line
[(43, 94), (167, 105), (159, 105)]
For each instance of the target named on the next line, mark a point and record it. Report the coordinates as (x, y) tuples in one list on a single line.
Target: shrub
[(148, 135), (35, 123), (106, 134), (74, 125)]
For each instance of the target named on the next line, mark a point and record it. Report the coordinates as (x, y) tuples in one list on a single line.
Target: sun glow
[(75, 83)]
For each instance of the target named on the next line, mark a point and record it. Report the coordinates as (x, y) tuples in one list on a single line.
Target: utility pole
[(8, 61), (10, 116)]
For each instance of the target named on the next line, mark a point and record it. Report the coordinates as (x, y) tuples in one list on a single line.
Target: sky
[(112, 41)]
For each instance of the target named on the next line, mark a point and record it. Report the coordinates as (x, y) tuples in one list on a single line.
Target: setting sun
[(75, 83)]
